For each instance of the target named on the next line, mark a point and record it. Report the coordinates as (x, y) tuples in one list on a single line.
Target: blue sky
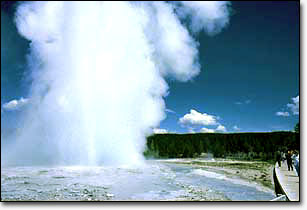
[(249, 73), (254, 60)]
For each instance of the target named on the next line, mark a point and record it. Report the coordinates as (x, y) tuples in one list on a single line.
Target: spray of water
[(98, 75)]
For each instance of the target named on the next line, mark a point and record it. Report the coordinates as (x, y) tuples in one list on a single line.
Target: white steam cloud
[(98, 71), (210, 16)]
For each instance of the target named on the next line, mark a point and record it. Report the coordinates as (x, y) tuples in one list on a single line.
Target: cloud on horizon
[(160, 130), (197, 118), (207, 130), (283, 114), (295, 106), (219, 129)]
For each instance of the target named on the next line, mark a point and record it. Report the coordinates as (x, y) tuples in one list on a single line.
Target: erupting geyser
[(97, 72)]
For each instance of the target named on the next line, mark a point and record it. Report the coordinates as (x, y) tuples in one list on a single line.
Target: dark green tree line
[(239, 145)]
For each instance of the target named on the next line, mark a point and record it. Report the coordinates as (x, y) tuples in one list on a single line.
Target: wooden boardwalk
[(288, 181)]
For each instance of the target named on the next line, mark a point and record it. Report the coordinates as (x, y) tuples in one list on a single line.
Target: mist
[(98, 73)]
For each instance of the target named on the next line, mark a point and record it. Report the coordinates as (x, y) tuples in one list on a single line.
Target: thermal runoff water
[(98, 76)]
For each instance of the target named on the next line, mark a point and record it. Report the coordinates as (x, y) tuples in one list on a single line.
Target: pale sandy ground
[(258, 172)]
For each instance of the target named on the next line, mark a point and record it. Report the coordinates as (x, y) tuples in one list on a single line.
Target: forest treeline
[(248, 146)]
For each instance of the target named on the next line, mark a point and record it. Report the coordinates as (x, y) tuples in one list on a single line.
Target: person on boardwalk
[(289, 160), (278, 158), (283, 157), (296, 162)]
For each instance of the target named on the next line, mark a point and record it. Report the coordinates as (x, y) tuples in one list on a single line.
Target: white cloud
[(243, 102), (15, 104), (196, 118), (236, 128), (247, 101), (220, 128), (295, 106), (191, 130), (159, 130), (283, 114), (207, 130), (170, 111)]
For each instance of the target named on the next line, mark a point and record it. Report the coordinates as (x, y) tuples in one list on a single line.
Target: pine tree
[(297, 128)]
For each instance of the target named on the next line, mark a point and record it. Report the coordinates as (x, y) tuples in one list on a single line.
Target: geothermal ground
[(157, 180)]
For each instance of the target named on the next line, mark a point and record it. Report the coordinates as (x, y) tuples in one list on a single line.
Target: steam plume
[(98, 72)]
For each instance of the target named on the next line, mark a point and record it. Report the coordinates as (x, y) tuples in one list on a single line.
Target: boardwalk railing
[(286, 183), (280, 198)]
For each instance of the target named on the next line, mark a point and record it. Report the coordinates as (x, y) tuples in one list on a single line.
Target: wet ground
[(156, 181)]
